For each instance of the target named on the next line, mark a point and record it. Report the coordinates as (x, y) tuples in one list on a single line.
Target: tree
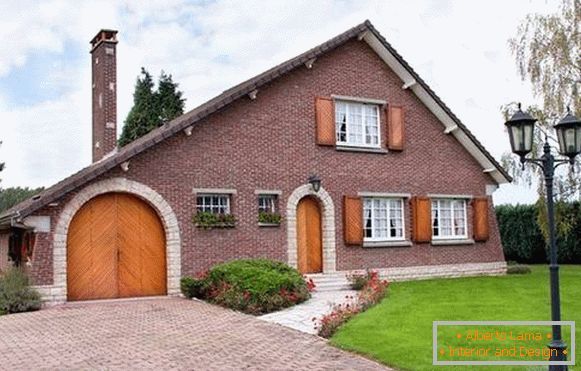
[(151, 109), (547, 50), (1, 164), (12, 196), (170, 101)]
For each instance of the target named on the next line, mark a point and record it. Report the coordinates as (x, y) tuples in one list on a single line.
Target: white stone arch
[(58, 292), (328, 225)]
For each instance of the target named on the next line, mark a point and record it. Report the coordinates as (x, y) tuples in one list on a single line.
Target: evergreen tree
[(1, 164), (14, 195), (171, 103), (151, 108)]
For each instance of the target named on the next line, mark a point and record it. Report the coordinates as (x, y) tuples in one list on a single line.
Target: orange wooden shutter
[(480, 208), (325, 121), (353, 220), (421, 219), (395, 128)]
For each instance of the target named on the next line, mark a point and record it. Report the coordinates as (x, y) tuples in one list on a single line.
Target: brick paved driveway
[(164, 333)]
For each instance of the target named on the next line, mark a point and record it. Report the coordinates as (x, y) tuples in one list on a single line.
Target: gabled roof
[(364, 31)]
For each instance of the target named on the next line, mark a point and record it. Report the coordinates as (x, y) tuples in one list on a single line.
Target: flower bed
[(372, 292), (252, 286)]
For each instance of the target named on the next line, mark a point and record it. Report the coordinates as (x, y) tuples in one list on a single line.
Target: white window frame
[(347, 143), (388, 238), (226, 196), (273, 198), (453, 236)]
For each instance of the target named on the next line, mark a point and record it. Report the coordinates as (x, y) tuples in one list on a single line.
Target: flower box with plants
[(208, 220), (373, 290), (253, 286), (269, 219)]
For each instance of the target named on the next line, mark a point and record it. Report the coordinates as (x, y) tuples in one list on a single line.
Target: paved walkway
[(300, 317), (161, 334)]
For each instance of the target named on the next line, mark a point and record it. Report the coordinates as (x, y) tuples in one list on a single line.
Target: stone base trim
[(441, 271)]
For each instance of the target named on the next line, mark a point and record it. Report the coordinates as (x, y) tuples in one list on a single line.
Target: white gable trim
[(432, 105)]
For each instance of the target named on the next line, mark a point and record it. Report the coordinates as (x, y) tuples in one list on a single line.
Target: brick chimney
[(104, 76)]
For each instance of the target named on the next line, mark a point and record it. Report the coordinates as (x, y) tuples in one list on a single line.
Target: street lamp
[(520, 130)]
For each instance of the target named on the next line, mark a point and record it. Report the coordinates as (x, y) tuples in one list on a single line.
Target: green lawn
[(398, 331)]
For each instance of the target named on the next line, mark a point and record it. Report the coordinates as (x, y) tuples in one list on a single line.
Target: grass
[(398, 331)]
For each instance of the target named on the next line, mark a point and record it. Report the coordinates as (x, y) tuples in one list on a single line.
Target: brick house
[(404, 186)]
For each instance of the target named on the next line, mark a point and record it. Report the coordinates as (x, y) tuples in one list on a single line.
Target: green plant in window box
[(208, 220), (269, 218)]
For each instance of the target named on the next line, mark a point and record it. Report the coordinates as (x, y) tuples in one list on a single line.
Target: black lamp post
[(315, 182), (520, 130)]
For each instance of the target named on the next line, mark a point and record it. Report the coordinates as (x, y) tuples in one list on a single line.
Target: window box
[(266, 218), (208, 220), (268, 225)]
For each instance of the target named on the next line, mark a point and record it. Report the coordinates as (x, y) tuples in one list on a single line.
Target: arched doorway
[(309, 236), (115, 249)]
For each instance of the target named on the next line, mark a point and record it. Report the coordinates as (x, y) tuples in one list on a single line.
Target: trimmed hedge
[(523, 239), (250, 285)]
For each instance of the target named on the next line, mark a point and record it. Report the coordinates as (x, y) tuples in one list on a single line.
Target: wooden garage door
[(115, 249)]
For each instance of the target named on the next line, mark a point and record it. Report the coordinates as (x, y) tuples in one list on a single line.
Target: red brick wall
[(104, 73), (269, 143)]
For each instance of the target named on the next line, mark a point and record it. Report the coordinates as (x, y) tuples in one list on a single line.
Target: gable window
[(213, 203), (357, 124), (449, 218), (267, 203), (383, 219)]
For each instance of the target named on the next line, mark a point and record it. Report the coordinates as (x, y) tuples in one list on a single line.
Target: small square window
[(267, 203), (215, 204)]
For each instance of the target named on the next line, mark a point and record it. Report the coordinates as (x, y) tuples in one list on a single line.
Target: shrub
[(372, 293), (359, 280), (522, 238), (250, 285), (518, 269), (192, 287), (16, 295)]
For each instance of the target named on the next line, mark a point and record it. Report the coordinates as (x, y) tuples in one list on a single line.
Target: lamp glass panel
[(570, 140), (579, 139), (517, 137), (528, 137)]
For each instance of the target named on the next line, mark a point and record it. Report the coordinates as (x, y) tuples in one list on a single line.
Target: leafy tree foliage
[(12, 196), (547, 49), (151, 108)]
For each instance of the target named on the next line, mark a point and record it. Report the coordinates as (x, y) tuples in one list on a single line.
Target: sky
[(460, 48)]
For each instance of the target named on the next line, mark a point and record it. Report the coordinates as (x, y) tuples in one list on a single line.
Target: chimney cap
[(107, 35)]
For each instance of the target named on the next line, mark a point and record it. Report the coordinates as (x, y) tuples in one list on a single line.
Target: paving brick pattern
[(164, 333)]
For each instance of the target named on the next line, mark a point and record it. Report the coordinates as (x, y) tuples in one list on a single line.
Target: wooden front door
[(115, 249), (309, 236)]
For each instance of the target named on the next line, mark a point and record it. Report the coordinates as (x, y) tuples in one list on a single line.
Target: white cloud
[(458, 47)]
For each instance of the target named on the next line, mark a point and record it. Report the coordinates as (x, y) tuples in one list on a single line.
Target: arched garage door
[(115, 249)]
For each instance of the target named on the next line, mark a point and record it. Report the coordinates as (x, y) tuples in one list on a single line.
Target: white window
[(449, 219), (357, 124), (267, 203), (215, 204), (383, 219)]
